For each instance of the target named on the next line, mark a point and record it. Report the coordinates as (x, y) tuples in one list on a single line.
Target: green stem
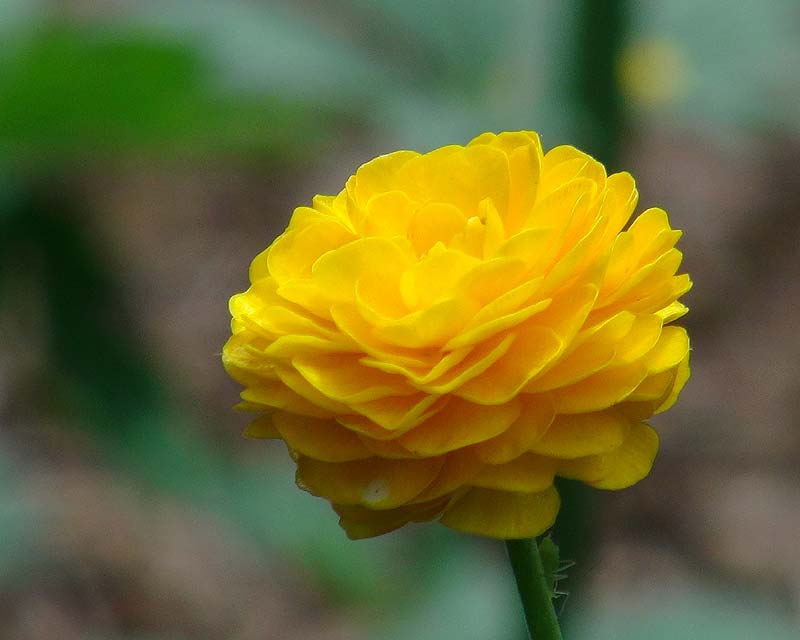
[(534, 590)]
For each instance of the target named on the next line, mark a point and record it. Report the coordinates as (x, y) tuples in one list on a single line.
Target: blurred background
[(148, 150)]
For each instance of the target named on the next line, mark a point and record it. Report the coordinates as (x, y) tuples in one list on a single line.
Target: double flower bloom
[(455, 329)]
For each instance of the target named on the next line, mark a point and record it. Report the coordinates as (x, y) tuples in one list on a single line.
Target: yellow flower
[(455, 329)]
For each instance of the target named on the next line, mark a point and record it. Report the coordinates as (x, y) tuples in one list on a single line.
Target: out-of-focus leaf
[(423, 74), (272, 48), (81, 91)]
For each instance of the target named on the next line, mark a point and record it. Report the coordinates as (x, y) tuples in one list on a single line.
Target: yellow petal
[(467, 177), (471, 238), (353, 324), (555, 210), (601, 390), (259, 267), (380, 175), (395, 415), (579, 435), (420, 376), (571, 265), (336, 273), (563, 169), (435, 222), (360, 522), (653, 235), (333, 206), (643, 280), (503, 311), (590, 351), (429, 327), (524, 161), (379, 296), (568, 312), (490, 328), (672, 312), (306, 294), (261, 309), (619, 201), (384, 448), (620, 468), (458, 469), (508, 141), (561, 154), (561, 164), (479, 359), (537, 247), (374, 482), (653, 387), (671, 349), (528, 473), (661, 295), (648, 238), (244, 361), (681, 377), (535, 417), (495, 230), (488, 280), (533, 349), (459, 424), (416, 175), (288, 347), (344, 379), (293, 253), (324, 440), (643, 336), (262, 427), (273, 394), (297, 383), (503, 514), (434, 277), (388, 214)]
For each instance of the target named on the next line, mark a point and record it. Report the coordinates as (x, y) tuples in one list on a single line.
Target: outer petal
[(575, 436), (459, 468), (360, 522), (533, 351), (262, 428), (379, 175), (459, 425), (620, 468), (344, 379), (374, 482), (536, 416), (528, 473), (682, 375), (293, 253), (503, 514), (324, 440), (601, 390)]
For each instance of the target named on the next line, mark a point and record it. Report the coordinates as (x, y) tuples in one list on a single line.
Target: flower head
[(454, 329)]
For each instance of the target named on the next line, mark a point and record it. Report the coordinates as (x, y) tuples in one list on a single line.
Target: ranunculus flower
[(454, 329)]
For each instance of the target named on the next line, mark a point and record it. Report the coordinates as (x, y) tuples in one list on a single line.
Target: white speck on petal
[(376, 492)]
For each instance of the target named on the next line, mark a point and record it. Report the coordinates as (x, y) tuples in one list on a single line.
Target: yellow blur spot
[(654, 72)]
